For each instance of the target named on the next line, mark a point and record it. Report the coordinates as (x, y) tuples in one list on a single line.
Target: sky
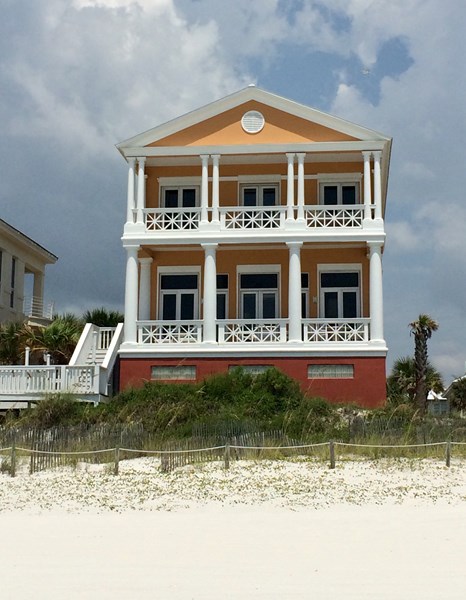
[(79, 76)]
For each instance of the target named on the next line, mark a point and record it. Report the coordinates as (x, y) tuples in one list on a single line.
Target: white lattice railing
[(169, 332), (42, 380), (334, 216), (242, 217), (247, 332), (172, 219), (36, 307), (337, 330)]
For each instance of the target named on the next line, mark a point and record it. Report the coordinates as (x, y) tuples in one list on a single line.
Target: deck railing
[(49, 379)]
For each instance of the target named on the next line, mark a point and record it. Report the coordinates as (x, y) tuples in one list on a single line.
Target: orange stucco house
[(254, 236)]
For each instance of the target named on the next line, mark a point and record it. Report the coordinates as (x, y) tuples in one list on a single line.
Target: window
[(179, 299), (179, 372), (339, 295), (339, 193), (304, 295), (325, 371), (251, 369), (259, 295), (180, 197), (13, 281), (222, 296), (259, 195)]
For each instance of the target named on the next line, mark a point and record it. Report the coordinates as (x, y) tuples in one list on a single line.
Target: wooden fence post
[(448, 454), (227, 456), (13, 456), (117, 461), (331, 446)]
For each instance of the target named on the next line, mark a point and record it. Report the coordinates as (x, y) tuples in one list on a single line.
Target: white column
[(367, 186), (210, 294), (376, 292), (131, 294), (377, 185), (290, 188), (141, 191), (215, 188), (204, 188), (301, 157), (294, 292), (130, 197), (144, 288)]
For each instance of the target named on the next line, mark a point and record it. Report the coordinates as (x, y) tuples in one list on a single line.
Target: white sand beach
[(267, 529)]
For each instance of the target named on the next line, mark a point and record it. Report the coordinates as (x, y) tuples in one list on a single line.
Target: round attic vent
[(252, 121)]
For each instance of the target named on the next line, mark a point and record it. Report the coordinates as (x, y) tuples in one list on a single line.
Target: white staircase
[(88, 376)]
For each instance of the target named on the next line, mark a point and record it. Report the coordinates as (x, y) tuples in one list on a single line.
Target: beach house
[(254, 237)]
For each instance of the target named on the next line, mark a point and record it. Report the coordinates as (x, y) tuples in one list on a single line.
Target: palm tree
[(422, 330), (10, 343), (103, 317), (401, 383), (59, 338)]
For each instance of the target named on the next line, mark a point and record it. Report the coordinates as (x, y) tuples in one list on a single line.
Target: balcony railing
[(35, 307), (334, 216), (252, 332), (242, 218), (258, 331), (169, 332), (252, 217), (172, 219), (337, 330)]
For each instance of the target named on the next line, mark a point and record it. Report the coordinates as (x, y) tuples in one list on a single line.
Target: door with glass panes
[(339, 295), (258, 296), (179, 298)]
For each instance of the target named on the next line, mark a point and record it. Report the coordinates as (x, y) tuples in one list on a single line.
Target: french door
[(179, 297), (259, 296), (339, 295)]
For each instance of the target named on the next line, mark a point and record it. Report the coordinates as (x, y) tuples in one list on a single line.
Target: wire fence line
[(41, 459)]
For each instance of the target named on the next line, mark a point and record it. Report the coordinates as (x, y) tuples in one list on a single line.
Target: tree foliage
[(401, 383), (103, 317), (422, 330)]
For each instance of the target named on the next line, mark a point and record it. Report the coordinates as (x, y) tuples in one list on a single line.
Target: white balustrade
[(172, 219), (169, 332), (334, 216), (247, 332), (252, 217), (43, 379), (336, 330), (105, 337)]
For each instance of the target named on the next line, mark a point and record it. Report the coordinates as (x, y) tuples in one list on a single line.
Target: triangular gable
[(214, 123)]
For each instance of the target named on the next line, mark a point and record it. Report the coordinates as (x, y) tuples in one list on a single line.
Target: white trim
[(339, 177), (272, 179), (179, 181)]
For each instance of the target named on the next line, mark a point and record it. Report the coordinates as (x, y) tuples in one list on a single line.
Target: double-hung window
[(339, 294), (222, 296)]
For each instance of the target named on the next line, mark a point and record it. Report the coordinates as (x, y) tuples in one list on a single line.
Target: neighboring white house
[(20, 258)]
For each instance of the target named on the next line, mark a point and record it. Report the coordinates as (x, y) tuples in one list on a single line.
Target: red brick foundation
[(366, 389)]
